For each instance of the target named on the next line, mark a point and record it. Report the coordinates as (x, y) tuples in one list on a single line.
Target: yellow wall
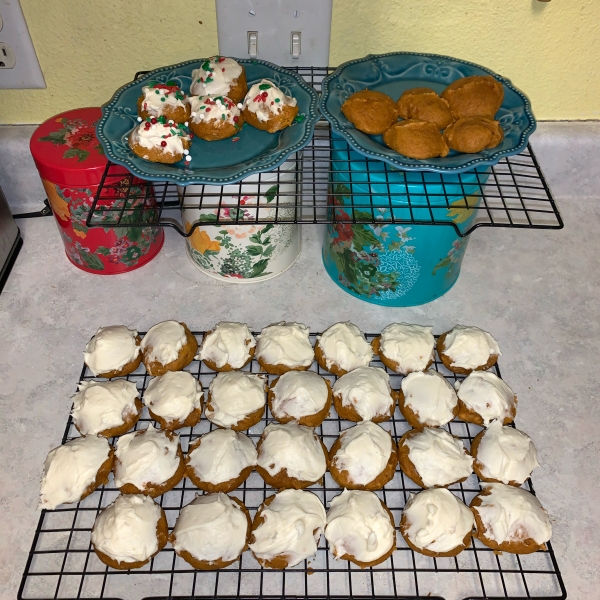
[(88, 48)]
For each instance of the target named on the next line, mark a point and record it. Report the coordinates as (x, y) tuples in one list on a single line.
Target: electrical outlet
[(7, 57)]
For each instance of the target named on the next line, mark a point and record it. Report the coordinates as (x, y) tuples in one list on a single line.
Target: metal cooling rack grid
[(61, 563)]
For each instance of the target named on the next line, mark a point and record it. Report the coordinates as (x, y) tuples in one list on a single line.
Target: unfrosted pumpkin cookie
[(114, 351), (343, 348), (424, 104), (464, 349), (473, 134), (227, 346), (168, 346), (478, 95), (370, 112), (416, 139)]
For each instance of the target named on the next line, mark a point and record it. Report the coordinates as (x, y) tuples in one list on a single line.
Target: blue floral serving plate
[(396, 72), (219, 162)]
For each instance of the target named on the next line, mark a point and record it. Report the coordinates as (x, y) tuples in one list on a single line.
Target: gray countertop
[(538, 292)]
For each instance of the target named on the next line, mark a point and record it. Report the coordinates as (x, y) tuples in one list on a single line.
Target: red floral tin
[(71, 163)]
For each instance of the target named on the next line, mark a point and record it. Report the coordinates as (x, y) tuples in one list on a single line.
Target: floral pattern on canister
[(77, 135)]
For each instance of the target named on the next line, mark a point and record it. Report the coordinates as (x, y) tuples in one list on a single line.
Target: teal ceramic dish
[(396, 72), (220, 162)]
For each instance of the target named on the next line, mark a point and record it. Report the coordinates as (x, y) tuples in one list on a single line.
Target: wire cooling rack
[(62, 564), (512, 193)]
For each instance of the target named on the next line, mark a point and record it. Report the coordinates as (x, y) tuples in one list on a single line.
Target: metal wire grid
[(62, 564), (513, 194)]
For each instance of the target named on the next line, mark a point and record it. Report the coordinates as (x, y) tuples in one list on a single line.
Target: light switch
[(295, 45), (253, 43)]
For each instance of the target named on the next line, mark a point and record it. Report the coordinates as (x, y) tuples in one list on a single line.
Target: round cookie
[(113, 351), (343, 348), (284, 347), (161, 141), (416, 139), (228, 346), (163, 100), (473, 134), (266, 107), (370, 112), (405, 348), (214, 117), (168, 346), (219, 76), (476, 96), (464, 349), (424, 104)]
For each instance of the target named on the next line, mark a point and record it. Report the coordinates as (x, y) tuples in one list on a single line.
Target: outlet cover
[(275, 21)]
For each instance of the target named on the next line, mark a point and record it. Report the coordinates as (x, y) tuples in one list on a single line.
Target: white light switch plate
[(275, 21)]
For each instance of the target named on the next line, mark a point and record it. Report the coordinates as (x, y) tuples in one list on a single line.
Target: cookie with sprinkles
[(164, 100), (266, 107), (214, 117), (219, 76), (160, 140)]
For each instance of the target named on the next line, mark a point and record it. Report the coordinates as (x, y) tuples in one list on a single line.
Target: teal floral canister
[(393, 264)]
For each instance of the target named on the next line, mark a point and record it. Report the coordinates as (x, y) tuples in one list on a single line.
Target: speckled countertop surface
[(538, 292)]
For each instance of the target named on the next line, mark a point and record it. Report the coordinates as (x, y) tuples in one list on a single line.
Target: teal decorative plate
[(396, 72), (220, 162)]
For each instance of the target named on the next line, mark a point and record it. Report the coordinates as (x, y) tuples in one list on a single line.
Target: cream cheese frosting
[(358, 525), (215, 76), (430, 396), (233, 396), (299, 394), (439, 457), (222, 455), (174, 395), (227, 344), (126, 529), (214, 108), (510, 514), (411, 346), (437, 520), (285, 344), (165, 136), (164, 341), (146, 457), (102, 405), (470, 347), (487, 395), (364, 452), (344, 345), (211, 527), (70, 469), (292, 527), (158, 96), (367, 389), (111, 349), (506, 454), (266, 100), (292, 447)]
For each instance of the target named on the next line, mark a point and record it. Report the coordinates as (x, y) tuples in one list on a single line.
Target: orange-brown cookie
[(220, 75), (473, 134), (424, 104), (479, 96), (184, 358), (214, 117), (416, 139), (156, 140), (275, 123), (163, 100), (370, 112)]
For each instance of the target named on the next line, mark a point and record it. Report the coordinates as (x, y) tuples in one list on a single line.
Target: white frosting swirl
[(102, 405), (367, 389), (293, 524), (358, 525), (411, 346), (159, 96), (439, 458), (126, 529), (168, 138), (437, 520), (215, 76), (164, 341), (285, 344), (110, 349), (469, 347), (344, 345), (506, 454), (146, 457), (233, 396), (174, 395), (70, 469), (292, 447), (227, 344), (510, 514), (364, 452), (487, 395), (211, 527), (266, 100), (430, 396), (214, 108), (222, 455), (298, 394)]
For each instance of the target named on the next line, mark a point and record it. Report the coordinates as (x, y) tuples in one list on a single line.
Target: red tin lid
[(65, 148)]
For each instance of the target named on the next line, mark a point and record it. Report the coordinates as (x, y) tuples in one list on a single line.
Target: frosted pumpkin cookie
[(291, 456), (129, 532), (364, 394), (483, 397), (161, 141), (106, 408), (464, 349), (266, 107), (473, 134), (287, 528), (424, 104), (363, 457), (478, 95), (228, 346), (236, 400), (416, 139), (503, 455), (74, 470), (405, 348), (510, 519), (219, 76), (300, 396), (427, 399), (114, 351), (436, 523), (432, 457), (168, 346), (211, 531), (370, 112), (220, 461), (284, 347), (214, 117), (360, 528), (148, 462), (343, 348), (163, 100)]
